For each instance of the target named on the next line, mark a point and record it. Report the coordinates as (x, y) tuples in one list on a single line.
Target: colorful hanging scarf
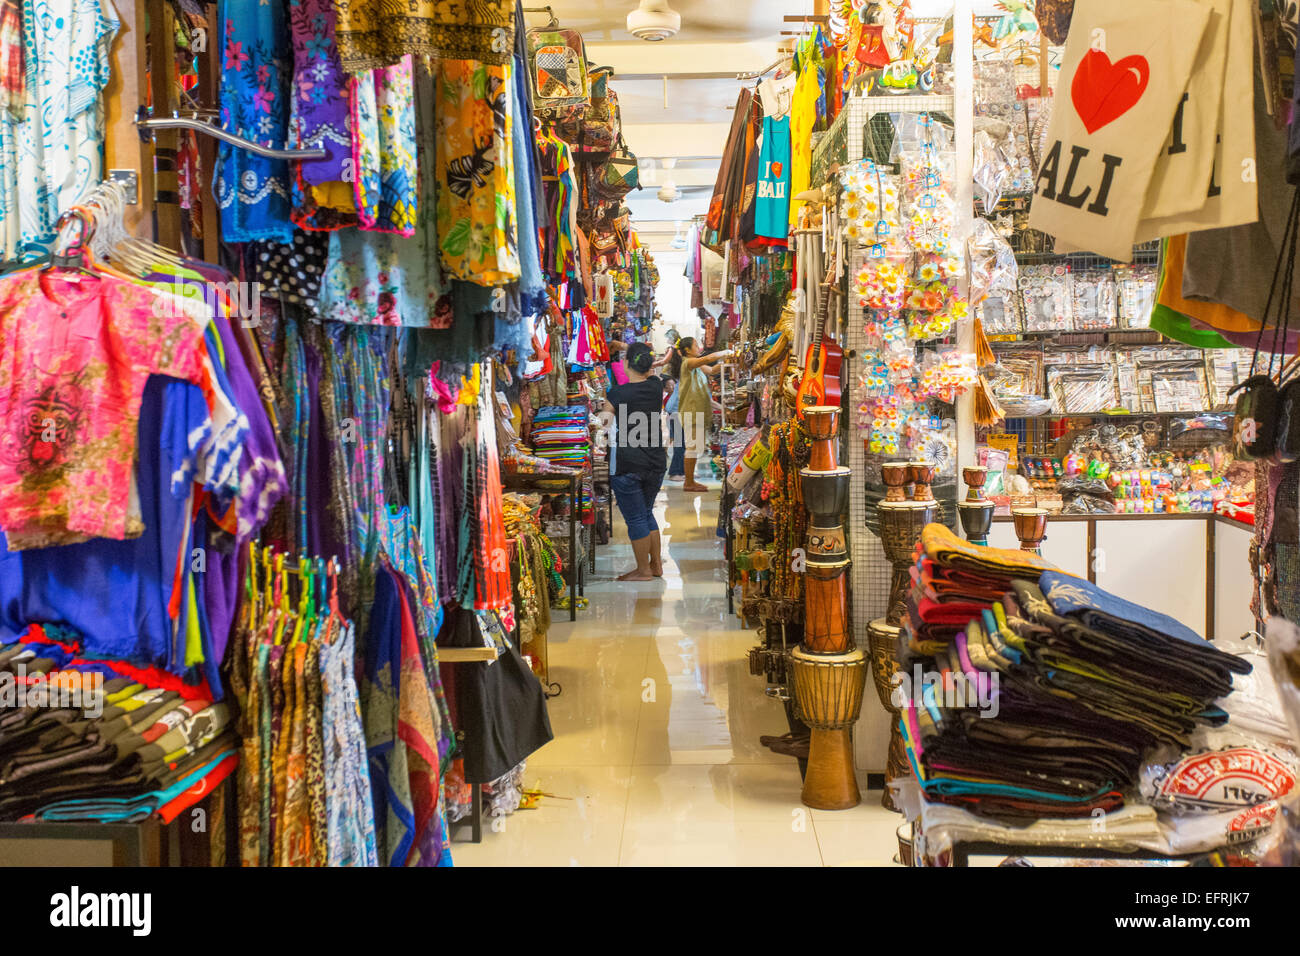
[(253, 191), (384, 148), (375, 33), (320, 92), (476, 196), (321, 118)]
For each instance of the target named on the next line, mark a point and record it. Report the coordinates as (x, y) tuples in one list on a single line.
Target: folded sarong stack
[(116, 750), (561, 435), (1034, 693)]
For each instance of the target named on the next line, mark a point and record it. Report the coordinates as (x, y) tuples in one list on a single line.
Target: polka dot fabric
[(290, 271)]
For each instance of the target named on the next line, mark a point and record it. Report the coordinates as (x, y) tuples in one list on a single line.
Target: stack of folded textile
[(1035, 693), (74, 747), (560, 435)]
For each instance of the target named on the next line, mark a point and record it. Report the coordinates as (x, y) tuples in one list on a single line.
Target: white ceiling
[(605, 21), (717, 40)]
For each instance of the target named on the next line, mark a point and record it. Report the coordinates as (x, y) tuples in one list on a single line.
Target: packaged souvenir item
[(1093, 304)]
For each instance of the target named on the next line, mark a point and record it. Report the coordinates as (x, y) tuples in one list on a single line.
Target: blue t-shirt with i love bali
[(772, 205)]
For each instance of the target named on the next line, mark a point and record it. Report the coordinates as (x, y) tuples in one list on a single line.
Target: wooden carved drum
[(920, 475), (884, 640), (894, 475), (900, 529), (826, 620), (822, 422), (1031, 528), (828, 690)]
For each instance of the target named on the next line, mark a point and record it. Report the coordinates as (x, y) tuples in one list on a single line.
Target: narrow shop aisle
[(656, 759)]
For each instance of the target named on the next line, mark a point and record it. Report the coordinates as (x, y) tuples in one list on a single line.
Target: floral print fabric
[(253, 192), (351, 819), (383, 149), (320, 90), (476, 196), (384, 279)]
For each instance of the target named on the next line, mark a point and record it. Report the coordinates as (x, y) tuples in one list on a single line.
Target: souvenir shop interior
[(476, 434)]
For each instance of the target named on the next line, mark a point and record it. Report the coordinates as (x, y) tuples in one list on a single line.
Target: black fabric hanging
[(501, 707)]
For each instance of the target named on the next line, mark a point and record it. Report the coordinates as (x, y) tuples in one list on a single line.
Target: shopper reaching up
[(695, 404)]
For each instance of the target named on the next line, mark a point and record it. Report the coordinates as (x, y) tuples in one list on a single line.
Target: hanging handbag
[(1255, 424), (557, 68), (601, 125), (618, 175)]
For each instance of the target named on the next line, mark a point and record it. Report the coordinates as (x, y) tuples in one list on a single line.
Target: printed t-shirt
[(75, 353), (772, 213)]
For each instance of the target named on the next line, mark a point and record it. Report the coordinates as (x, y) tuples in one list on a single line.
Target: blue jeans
[(677, 467), (635, 494)]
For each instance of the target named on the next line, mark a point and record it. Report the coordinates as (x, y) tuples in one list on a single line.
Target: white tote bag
[(1182, 173), (1230, 196), (1124, 72)]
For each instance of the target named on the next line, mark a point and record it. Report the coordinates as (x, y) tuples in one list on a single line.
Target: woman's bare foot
[(636, 574), (657, 566), (694, 486)]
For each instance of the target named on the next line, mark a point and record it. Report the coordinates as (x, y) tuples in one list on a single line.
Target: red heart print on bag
[(1103, 91)]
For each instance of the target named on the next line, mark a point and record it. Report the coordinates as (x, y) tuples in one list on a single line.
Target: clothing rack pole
[(151, 123)]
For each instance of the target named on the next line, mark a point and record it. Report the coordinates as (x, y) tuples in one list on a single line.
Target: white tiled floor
[(656, 759)]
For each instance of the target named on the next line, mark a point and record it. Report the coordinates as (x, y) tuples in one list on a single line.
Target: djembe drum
[(894, 476), (826, 496), (920, 475), (884, 638), (828, 694), (976, 520), (1031, 528), (822, 422), (900, 528)]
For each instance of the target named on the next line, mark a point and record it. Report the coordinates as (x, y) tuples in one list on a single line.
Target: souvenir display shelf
[(870, 571)]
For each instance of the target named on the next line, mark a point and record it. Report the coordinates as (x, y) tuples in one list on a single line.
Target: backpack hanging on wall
[(618, 175), (557, 68), (602, 125)]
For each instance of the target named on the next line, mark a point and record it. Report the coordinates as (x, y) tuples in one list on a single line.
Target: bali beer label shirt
[(1122, 77), (772, 207)]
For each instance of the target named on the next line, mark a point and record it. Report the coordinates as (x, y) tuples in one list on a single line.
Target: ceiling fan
[(654, 20)]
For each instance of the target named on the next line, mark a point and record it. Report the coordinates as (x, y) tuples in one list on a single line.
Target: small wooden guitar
[(823, 360)]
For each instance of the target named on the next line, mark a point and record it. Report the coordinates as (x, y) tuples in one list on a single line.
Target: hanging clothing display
[(320, 109), (772, 205), (253, 192), (477, 224), (51, 123), (261, 499), (375, 34), (383, 144)]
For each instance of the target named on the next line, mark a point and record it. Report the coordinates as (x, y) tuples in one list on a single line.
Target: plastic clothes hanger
[(306, 599), (283, 611)]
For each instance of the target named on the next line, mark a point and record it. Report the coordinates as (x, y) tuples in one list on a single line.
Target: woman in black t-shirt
[(638, 460)]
